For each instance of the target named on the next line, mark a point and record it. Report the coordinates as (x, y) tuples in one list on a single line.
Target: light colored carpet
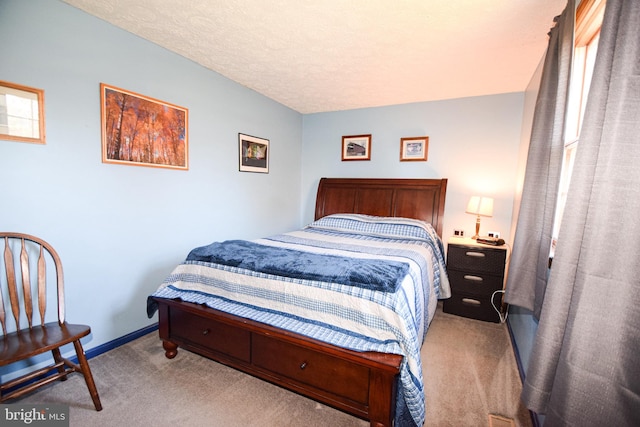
[(470, 372), (468, 365)]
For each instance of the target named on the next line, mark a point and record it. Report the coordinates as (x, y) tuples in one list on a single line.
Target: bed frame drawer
[(211, 335), (318, 370), (363, 384)]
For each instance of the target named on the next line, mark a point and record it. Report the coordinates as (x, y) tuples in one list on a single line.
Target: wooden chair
[(24, 343)]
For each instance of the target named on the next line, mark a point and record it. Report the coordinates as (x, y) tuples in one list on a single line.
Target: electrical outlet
[(458, 233), (495, 234)]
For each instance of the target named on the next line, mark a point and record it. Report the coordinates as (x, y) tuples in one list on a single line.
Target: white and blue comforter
[(386, 309)]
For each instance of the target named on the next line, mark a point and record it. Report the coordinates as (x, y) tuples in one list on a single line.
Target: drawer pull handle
[(470, 301), (206, 332), (473, 278), (304, 365), (475, 254)]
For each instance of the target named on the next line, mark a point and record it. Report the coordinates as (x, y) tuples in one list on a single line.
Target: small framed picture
[(21, 113), (254, 153), (414, 149), (356, 147)]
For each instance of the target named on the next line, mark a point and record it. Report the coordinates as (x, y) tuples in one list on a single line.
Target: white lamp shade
[(482, 206)]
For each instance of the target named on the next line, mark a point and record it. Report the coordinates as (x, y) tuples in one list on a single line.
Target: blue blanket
[(374, 274)]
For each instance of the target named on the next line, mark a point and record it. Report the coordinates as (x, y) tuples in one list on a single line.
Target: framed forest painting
[(142, 131)]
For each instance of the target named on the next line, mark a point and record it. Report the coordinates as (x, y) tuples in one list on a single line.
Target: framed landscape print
[(414, 149), (254, 153), (142, 131), (356, 147)]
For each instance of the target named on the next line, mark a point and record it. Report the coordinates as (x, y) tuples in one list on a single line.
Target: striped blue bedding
[(353, 317)]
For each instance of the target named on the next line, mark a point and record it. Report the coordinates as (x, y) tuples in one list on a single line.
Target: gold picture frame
[(21, 113), (139, 130), (414, 149), (356, 147)]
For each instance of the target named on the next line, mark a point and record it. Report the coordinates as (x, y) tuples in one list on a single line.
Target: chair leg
[(88, 377), (58, 359)]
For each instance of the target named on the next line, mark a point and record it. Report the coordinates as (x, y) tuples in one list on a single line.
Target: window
[(21, 113), (587, 34)]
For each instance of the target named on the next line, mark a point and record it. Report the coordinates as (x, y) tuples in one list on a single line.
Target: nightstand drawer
[(472, 306), (476, 259), (474, 283)]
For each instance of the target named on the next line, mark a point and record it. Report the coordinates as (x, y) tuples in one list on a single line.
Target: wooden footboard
[(362, 384)]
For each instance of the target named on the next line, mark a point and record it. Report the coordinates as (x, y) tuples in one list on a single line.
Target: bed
[(349, 338)]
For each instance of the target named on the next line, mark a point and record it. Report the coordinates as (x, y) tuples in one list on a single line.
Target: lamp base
[(477, 228)]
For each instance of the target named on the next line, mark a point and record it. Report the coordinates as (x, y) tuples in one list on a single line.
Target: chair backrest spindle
[(26, 283), (42, 285), (2, 312), (11, 282)]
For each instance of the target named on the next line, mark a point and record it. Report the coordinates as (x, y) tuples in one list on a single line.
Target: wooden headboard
[(410, 198)]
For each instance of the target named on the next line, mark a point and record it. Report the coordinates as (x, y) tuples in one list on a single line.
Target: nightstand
[(475, 273)]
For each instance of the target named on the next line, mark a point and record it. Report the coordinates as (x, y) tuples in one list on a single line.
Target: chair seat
[(39, 339)]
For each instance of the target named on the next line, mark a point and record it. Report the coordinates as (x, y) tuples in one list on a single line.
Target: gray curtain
[(528, 269), (585, 365)]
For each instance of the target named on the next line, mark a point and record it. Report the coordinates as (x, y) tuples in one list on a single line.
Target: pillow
[(393, 227)]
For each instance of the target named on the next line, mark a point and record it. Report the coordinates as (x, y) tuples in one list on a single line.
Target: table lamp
[(480, 206)]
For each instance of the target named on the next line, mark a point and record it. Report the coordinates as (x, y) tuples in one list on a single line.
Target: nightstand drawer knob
[(473, 278), (475, 254), (470, 301)]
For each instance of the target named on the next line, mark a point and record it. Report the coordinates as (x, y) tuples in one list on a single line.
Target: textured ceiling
[(329, 55)]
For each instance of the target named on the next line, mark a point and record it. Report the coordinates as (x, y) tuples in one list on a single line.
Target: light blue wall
[(523, 326), (473, 142), (121, 229)]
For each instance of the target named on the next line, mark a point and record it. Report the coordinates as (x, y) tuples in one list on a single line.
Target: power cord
[(502, 291), (506, 313)]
